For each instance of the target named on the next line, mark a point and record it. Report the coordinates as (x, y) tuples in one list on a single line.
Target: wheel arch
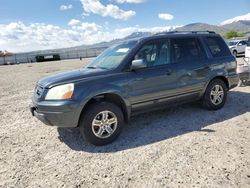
[(108, 97), (235, 50), (223, 78)]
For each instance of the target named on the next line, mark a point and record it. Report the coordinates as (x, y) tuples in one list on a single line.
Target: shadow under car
[(156, 126)]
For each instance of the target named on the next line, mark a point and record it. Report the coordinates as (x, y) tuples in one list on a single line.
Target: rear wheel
[(102, 123), (215, 95)]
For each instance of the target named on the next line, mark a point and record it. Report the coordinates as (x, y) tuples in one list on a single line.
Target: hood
[(69, 76)]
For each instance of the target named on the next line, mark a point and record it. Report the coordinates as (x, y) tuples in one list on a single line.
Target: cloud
[(88, 27), (237, 18), (20, 37), (165, 16), (130, 1), (96, 7), (66, 7), (74, 22)]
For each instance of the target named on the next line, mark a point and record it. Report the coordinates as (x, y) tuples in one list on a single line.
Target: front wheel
[(215, 95), (102, 123)]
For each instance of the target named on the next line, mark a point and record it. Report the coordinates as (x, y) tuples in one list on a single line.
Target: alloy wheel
[(104, 124), (217, 95)]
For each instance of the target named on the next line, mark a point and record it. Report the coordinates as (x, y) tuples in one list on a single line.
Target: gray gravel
[(184, 146)]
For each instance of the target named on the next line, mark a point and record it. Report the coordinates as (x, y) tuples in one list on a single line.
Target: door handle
[(138, 79)]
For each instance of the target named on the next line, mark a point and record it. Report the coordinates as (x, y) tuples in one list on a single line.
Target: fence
[(64, 54)]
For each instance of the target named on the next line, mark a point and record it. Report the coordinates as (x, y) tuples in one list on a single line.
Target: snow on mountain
[(245, 17)]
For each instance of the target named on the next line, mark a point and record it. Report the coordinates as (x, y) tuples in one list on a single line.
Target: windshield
[(112, 57), (232, 43), (248, 42)]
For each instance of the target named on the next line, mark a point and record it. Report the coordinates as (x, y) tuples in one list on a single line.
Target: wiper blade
[(92, 67), (103, 68), (95, 67)]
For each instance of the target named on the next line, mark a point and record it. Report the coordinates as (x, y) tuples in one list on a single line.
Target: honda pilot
[(137, 76)]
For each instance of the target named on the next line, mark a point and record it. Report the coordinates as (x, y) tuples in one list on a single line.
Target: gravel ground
[(184, 146)]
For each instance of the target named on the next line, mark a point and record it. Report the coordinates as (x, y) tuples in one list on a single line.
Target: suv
[(237, 47), (137, 76)]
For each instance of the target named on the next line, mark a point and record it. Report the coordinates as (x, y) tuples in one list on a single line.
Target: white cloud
[(237, 18), (130, 1), (74, 22), (165, 16), (19, 37), (66, 7), (96, 7), (84, 14), (88, 27)]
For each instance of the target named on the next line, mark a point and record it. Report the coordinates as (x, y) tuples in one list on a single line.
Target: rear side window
[(217, 46), (184, 49)]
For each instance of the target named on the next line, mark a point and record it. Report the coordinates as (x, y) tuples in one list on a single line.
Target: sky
[(27, 25)]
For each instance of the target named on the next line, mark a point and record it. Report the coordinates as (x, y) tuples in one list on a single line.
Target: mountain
[(134, 35), (239, 26), (201, 27), (137, 35), (245, 17), (242, 26)]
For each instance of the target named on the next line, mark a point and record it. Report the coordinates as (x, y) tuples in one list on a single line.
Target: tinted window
[(154, 53), (217, 46), (184, 49)]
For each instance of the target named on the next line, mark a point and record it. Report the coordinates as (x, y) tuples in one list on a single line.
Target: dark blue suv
[(134, 77)]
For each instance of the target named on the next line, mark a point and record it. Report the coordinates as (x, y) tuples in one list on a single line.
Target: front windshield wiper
[(103, 68), (92, 67), (95, 67)]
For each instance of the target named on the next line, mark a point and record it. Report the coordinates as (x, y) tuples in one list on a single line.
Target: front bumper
[(57, 113)]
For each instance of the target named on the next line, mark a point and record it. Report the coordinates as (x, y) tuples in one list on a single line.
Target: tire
[(211, 97), (109, 121), (235, 53)]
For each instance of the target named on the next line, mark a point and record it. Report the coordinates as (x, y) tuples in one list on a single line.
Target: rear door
[(191, 64)]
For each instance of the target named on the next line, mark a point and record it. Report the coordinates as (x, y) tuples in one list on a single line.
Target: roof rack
[(179, 32)]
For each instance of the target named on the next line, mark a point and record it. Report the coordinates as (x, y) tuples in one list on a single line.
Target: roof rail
[(177, 32)]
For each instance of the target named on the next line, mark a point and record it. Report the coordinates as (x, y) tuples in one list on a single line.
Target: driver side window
[(154, 53)]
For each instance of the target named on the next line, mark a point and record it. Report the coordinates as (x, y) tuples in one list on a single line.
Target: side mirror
[(138, 64), (246, 59), (239, 44)]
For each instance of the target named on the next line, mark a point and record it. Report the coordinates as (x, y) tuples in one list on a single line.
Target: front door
[(157, 81)]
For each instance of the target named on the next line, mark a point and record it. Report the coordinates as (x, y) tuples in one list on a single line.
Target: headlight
[(60, 92)]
